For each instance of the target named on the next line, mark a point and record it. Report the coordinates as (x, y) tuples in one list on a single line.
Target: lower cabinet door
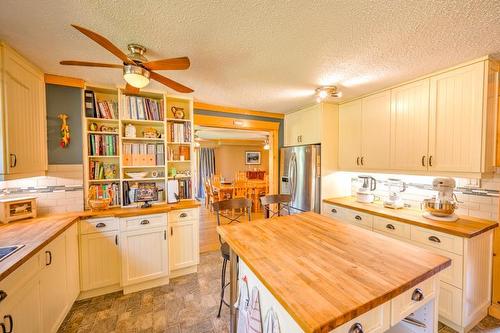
[(53, 281), (183, 247), (20, 311), (144, 255), (450, 303), (100, 260)]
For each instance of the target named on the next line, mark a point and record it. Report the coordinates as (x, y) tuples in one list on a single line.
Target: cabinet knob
[(356, 328), (183, 215), (100, 225), (417, 295), (143, 222), (390, 226), (334, 211), (434, 239), (357, 217)]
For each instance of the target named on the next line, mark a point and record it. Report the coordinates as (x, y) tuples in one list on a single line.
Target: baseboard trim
[(494, 310), (146, 285), (452, 325), (98, 292), (183, 271)]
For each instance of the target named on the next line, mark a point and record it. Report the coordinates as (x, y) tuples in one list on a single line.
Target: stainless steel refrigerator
[(300, 168)]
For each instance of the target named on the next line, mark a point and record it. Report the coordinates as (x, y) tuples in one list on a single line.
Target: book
[(90, 105)]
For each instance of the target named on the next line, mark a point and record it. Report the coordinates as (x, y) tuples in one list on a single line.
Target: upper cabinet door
[(25, 118), (375, 131), (455, 126), (410, 126), (310, 129), (350, 135), (292, 128)]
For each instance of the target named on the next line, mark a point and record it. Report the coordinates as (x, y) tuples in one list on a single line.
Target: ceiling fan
[(137, 70)]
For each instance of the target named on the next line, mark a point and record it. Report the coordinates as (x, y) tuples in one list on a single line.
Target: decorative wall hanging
[(65, 135), (252, 157)]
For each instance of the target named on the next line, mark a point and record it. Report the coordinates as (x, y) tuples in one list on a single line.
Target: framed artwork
[(252, 157)]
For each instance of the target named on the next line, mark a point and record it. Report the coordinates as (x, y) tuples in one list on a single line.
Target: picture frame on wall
[(252, 157)]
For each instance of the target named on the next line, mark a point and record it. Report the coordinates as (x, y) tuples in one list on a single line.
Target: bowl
[(99, 204), (137, 175), (439, 208)]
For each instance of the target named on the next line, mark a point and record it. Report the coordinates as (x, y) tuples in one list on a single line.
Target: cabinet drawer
[(333, 211), (357, 218), (395, 228), (183, 215), (412, 299), (374, 321), (104, 224), (144, 221), (450, 303), (437, 240)]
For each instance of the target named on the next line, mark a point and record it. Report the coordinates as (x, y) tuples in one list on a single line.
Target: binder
[(90, 105)]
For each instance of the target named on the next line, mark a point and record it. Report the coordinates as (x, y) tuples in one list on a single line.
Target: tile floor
[(188, 304)]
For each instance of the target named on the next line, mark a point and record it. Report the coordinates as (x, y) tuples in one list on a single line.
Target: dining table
[(255, 187)]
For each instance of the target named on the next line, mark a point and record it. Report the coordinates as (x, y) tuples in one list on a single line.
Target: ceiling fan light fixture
[(136, 76), (327, 91)]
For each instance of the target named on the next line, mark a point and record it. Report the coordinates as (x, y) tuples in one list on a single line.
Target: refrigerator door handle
[(294, 172)]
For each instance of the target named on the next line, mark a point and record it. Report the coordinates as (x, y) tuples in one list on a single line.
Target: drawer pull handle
[(357, 217), (356, 328), (100, 225), (434, 239), (183, 215), (3, 295), (50, 258), (11, 324), (143, 222), (390, 226), (414, 322), (334, 211), (417, 295), (116, 239)]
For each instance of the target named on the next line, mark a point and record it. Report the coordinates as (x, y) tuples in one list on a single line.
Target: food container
[(439, 208)]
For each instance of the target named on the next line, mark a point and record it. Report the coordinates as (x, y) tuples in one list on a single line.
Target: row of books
[(185, 188), (179, 132), (143, 154), (177, 153), (103, 145), (142, 108), (99, 109), (99, 170), (104, 191)]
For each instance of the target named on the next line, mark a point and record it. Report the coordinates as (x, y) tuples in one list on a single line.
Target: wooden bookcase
[(158, 170)]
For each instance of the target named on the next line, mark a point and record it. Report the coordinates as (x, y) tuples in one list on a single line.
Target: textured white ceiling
[(263, 55), (212, 133)]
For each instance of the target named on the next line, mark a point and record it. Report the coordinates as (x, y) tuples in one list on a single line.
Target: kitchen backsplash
[(478, 198), (60, 191)]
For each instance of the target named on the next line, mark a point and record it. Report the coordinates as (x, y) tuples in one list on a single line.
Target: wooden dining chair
[(221, 207), (211, 194), (240, 189), (282, 202), (240, 176)]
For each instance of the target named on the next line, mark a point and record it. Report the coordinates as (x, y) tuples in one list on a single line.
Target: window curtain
[(206, 168)]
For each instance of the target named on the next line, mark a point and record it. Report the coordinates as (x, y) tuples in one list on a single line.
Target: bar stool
[(245, 207), (282, 200)]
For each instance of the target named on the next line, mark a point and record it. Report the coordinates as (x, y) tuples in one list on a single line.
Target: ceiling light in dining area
[(267, 146), (324, 92)]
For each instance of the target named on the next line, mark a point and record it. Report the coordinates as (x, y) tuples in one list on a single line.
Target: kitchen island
[(321, 275)]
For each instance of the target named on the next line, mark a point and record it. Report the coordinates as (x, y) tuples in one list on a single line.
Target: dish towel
[(271, 324), (254, 316), (242, 305)]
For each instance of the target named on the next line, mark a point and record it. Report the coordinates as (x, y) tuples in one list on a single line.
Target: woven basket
[(99, 204)]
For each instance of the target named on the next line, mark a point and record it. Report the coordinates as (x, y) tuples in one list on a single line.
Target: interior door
[(375, 129), (456, 108), (410, 126), (350, 135)]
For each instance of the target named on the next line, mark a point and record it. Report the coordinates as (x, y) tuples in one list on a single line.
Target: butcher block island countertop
[(38, 232), (464, 227), (324, 272)]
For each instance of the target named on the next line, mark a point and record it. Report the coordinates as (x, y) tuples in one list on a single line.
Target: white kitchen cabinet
[(100, 260), (350, 135), (23, 117), (409, 126), (53, 280), (375, 131), (303, 127), (456, 119), (20, 311), (72, 264), (144, 254), (183, 245)]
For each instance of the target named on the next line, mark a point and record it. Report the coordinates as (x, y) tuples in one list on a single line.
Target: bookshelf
[(130, 140)]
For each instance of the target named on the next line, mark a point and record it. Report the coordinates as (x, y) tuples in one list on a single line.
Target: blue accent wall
[(281, 132), (62, 99)]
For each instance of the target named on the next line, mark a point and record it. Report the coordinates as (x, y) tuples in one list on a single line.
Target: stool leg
[(223, 284)]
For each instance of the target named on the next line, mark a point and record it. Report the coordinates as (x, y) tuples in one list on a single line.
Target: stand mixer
[(396, 186), (364, 194), (442, 206)]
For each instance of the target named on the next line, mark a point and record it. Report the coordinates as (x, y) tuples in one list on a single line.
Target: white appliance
[(442, 206), (364, 194), (396, 187)]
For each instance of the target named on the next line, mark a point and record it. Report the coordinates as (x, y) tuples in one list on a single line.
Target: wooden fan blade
[(88, 64), (168, 64), (104, 43), (170, 83), (131, 89)]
